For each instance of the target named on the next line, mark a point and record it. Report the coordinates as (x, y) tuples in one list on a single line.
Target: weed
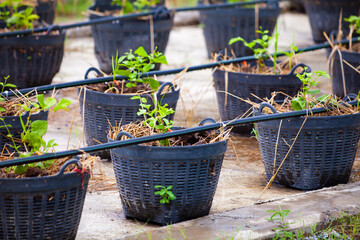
[(354, 22), (281, 231), (166, 194)]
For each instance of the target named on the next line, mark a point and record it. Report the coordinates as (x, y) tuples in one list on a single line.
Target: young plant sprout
[(34, 131), (16, 18), (136, 65), (166, 194), (135, 6), (309, 80), (258, 46)]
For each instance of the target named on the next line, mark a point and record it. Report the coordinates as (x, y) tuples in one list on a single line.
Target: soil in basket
[(199, 138), (36, 171), (106, 88)]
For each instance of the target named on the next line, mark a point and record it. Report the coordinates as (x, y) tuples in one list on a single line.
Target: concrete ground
[(242, 178)]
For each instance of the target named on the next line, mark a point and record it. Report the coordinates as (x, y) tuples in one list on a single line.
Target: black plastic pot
[(220, 25), (15, 129), (104, 5), (42, 207), (31, 60), (322, 155), (324, 15), (46, 10), (350, 78), (102, 108), (129, 34), (193, 171), (244, 85)]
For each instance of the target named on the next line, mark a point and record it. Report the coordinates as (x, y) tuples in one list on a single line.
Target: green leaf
[(39, 127), (122, 73), (162, 59), (40, 99), (154, 85), (298, 104), (63, 104), (21, 169), (234, 40), (2, 109), (141, 52), (10, 85), (316, 91), (135, 97)]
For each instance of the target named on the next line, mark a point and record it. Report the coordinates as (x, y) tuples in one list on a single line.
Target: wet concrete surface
[(242, 178)]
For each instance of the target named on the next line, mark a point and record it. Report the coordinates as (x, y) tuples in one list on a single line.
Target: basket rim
[(174, 147), (45, 178), (257, 75), (126, 95)]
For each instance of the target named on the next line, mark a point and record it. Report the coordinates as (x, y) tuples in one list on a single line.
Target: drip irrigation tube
[(134, 15), (45, 88), (133, 141)]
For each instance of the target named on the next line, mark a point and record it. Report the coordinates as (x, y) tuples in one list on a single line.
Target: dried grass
[(138, 129), (341, 108), (282, 67)]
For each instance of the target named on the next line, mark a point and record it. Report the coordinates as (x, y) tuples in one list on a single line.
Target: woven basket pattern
[(221, 25), (320, 157), (128, 34), (351, 76), (194, 179), (324, 15), (32, 60), (241, 85), (49, 214), (101, 108), (16, 129), (46, 10)]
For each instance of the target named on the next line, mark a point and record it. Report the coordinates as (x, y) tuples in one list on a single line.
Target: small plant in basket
[(17, 14), (303, 145), (135, 6), (32, 141), (135, 66)]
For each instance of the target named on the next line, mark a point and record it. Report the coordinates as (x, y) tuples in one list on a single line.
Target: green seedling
[(290, 54), (282, 232), (136, 65), (34, 131), (165, 193), (136, 6), (310, 80), (3, 86), (20, 15), (354, 23), (258, 46), (156, 117)]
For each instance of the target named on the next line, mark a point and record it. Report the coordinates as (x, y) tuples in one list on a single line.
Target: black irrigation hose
[(45, 88), (130, 16), (133, 141)]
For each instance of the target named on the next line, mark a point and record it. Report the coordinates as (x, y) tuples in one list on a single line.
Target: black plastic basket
[(15, 129), (31, 60), (42, 207), (324, 15), (102, 108), (46, 10), (193, 171), (322, 155), (104, 5), (129, 34), (220, 25), (243, 85), (351, 76)]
